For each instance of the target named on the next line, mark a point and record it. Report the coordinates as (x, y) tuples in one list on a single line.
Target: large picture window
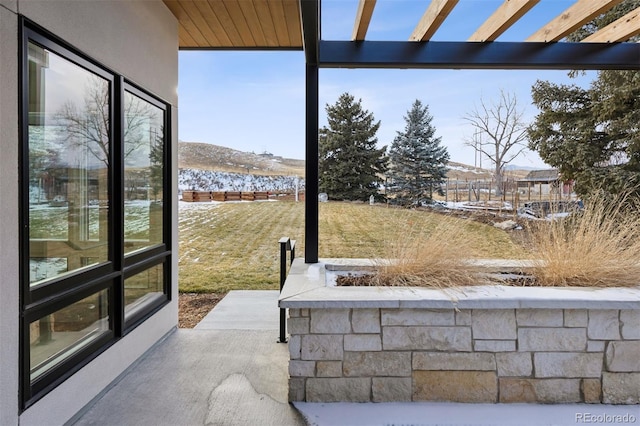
[(69, 139), (95, 218)]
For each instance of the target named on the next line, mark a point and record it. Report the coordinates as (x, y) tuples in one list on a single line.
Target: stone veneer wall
[(475, 355)]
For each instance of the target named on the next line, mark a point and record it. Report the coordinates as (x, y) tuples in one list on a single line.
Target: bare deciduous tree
[(505, 133), (88, 126)]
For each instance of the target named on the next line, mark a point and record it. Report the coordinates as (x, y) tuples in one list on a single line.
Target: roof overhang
[(238, 24), (295, 24)]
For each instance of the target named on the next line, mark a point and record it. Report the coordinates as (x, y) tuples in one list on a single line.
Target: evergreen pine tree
[(418, 163), (592, 134), (350, 164)]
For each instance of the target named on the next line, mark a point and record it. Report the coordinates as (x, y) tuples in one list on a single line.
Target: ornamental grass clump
[(428, 257), (598, 246)]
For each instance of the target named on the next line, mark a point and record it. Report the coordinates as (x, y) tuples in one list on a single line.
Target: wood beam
[(433, 17), (504, 17), (571, 19), (363, 17), (620, 30)]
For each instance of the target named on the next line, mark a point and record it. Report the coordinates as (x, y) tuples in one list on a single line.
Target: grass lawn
[(234, 246)]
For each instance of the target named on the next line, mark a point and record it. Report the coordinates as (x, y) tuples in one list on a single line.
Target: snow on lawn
[(206, 205), (207, 180)]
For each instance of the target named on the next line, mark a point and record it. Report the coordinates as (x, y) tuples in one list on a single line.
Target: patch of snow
[(207, 180), (553, 216), (467, 170), (185, 205), (506, 225)]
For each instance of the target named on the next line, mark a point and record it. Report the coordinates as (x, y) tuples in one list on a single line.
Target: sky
[(254, 100)]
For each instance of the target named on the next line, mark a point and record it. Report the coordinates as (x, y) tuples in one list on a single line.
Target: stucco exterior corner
[(9, 248)]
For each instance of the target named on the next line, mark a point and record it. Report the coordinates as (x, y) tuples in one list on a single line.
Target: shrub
[(429, 257), (596, 247)]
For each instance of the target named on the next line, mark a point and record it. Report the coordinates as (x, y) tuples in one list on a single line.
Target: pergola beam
[(571, 19), (504, 17), (433, 17), (490, 55), (363, 18), (620, 30)]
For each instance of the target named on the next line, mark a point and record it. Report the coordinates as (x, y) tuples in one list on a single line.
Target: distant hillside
[(205, 156), (459, 171)]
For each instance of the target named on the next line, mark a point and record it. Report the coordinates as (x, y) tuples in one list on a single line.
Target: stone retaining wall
[(469, 355)]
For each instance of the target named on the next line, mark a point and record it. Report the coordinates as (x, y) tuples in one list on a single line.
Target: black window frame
[(156, 254), (58, 292)]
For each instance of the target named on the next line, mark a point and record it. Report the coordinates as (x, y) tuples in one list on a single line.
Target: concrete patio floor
[(229, 370)]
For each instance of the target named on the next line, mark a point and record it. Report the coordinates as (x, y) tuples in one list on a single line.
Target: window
[(57, 336), (143, 172), (69, 142), (143, 289), (95, 225)]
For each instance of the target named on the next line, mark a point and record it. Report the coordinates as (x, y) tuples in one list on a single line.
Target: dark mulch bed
[(192, 307), (511, 279), (354, 280)]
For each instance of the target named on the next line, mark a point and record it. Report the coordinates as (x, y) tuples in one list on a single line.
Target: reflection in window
[(69, 138), (143, 173), (143, 289), (41, 269), (60, 335)]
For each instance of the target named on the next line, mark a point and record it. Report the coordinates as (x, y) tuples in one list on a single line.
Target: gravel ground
[(192, 307)]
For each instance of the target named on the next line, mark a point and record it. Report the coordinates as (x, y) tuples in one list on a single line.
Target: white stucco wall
[(138, 39), (9, 214)]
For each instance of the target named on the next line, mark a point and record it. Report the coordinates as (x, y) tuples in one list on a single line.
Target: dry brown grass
[(598, 247), (429, 256)]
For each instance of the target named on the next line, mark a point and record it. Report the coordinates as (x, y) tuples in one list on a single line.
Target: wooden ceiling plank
[(185, 39), (363, 18), (620, 30), (294, 24), (504, 17), (226, 23), (238, 18), (571, 19), (268, 28), (214, 23), (433, 17), (251, 16), (175, 8), (184, 19), (190, 7), (279, 22)]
